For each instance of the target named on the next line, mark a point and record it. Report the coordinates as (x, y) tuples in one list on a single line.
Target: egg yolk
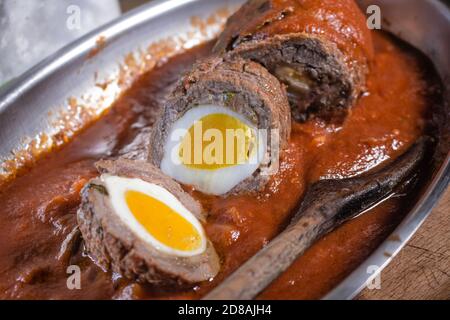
[(217, 141), (163, 223)]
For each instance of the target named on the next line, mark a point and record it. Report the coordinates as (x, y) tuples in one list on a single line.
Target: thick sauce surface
[(38, 209)]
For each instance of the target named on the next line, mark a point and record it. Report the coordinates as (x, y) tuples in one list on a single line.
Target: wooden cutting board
[(422, 268)]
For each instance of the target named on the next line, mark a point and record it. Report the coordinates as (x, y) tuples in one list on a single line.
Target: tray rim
[(353, 283)]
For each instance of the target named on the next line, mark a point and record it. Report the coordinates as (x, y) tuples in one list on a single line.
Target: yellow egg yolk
[(163, 223), (217, 141)]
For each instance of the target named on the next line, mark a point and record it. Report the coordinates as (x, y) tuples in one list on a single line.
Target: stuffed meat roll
[(141, 224), (320, 49), (222, 127)]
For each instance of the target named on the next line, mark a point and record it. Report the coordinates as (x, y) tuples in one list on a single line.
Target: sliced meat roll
[(141, 224), (320, 49), (222, 127)]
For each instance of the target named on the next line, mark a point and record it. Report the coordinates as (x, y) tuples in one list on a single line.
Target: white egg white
[(215, 182), (118, 186)]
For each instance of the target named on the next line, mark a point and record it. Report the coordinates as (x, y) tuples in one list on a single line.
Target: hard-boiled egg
[(213, 149), (156, 216)]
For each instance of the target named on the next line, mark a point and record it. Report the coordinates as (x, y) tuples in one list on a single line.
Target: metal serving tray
[(37, 104)]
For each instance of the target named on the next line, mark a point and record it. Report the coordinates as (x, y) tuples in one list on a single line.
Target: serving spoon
[(326, 205)]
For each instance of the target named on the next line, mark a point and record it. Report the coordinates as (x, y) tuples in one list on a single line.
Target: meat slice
[(320, 49), (239, 85), (115, 246)]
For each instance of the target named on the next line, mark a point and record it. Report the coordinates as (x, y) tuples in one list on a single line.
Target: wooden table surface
[(422, 268)]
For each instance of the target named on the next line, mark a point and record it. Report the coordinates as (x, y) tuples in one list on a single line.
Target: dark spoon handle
[(327, 204), (258, 272)]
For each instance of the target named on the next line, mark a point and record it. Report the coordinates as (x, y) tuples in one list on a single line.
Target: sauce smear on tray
[(38, 236)]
